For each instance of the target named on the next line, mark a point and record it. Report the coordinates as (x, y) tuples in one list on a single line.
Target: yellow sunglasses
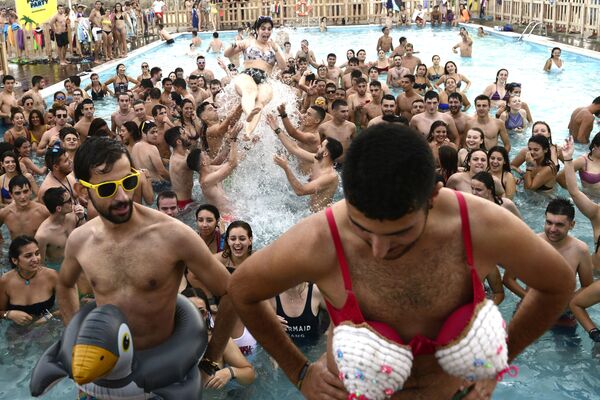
[(109, 188)]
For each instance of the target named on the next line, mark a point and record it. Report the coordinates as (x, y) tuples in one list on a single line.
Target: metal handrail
[(533, 25)]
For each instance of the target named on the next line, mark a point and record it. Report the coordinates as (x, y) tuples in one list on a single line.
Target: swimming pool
[(555, 367)]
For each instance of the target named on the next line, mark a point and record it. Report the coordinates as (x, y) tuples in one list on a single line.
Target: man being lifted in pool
[(127, 257), (410, 253)]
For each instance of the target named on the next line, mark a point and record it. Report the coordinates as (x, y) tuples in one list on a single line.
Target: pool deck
[(55, 73)]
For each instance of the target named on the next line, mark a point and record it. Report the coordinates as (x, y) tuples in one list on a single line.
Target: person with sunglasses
[(145, 72), (59, 167), (261, 53), (51, 135), (118, 251), (201, 69)]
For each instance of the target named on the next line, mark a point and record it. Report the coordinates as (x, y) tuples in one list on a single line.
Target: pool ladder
[(533, 25)]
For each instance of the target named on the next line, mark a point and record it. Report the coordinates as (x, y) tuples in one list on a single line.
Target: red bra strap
[(478, 293), (339, 249)]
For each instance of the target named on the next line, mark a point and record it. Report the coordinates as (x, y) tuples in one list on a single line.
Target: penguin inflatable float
[(96, 351)]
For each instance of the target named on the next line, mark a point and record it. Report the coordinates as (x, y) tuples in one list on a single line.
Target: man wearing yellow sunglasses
[(132, 255)]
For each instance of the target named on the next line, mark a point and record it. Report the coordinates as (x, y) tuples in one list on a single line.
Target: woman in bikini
[(12, 168), (121, 80), (588, 207), (37, 127), (27, 292), (107, 34), (18, 129), (588, 166), (421, 84), (435, 72), (449, 88), (538, 128), (451, 71), (497, 91), (23, 151), (499, 167), (120, 31), (145, 72), (540, 174), (382, 64), (261, 54)]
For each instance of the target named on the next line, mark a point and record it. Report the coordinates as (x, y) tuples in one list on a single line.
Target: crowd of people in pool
[(397, 155)]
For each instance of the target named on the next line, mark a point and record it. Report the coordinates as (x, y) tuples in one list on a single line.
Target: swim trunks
[(62, 40), (170, 41), (182, 204)]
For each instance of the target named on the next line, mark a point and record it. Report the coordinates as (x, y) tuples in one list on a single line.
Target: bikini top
[(588, 177), (34, 309), (254, 53), (471, 343), (496, 96), (3, 191), (514, 121)]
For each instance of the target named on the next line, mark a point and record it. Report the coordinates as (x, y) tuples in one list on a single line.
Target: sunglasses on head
[(109, 188)]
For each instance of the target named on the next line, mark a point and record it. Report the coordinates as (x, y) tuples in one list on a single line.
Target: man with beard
[(455, 101), (127, 257), (59, 167), (182, 178), (388, 108), (559, 220), (323, 181), (405, 253)]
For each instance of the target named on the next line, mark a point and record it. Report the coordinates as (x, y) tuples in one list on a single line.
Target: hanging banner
[(35, 12)]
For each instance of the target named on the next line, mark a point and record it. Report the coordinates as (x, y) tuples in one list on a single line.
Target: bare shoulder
[(582, 247), (50, 274)]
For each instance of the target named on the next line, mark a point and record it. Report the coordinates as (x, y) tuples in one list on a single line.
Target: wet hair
[(96, 151), (547, 127), (389, 171), (482, 97), (13, 154), (470, 154), (98, 127), (356, 74), (338, 103), (334, 147), (180, 83), (212, 209), (165, 194), (53, 197), (411, 78), (20, 181), (594, 143), (199, 293), (376, 84), (193, 160), (448, 157), (215, 34), (155, 70), (596, 100), (8, 78), (67, 130), (395, 119), (561, 206), (156, 109), (389, 97), (133, 130), (321, 113), (146, 83), (360, 80), (236, 224), (36, 79), (456, 96), (40, 116), (430, 94), (555, 48), (146, 126), (434, 126), (167, 80), (155, 93), (19, 141), (501, 150), (75, 80), (14, 250), (487, 179), (545, 144), (353, 60), (172, 135)]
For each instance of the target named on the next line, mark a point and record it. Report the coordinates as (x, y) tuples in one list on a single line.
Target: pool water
[(557, 366)]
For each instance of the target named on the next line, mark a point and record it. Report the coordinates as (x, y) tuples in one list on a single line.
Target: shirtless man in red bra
[(408, 254)]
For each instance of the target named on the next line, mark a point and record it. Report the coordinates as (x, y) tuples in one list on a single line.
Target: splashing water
[(258, 189)]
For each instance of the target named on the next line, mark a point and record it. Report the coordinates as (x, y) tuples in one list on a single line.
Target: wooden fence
[(574, 16)]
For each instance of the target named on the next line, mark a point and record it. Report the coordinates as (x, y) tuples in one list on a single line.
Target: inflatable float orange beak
[(91, 362)]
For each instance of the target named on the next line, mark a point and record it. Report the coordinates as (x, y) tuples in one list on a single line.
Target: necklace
[(27, 280)]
